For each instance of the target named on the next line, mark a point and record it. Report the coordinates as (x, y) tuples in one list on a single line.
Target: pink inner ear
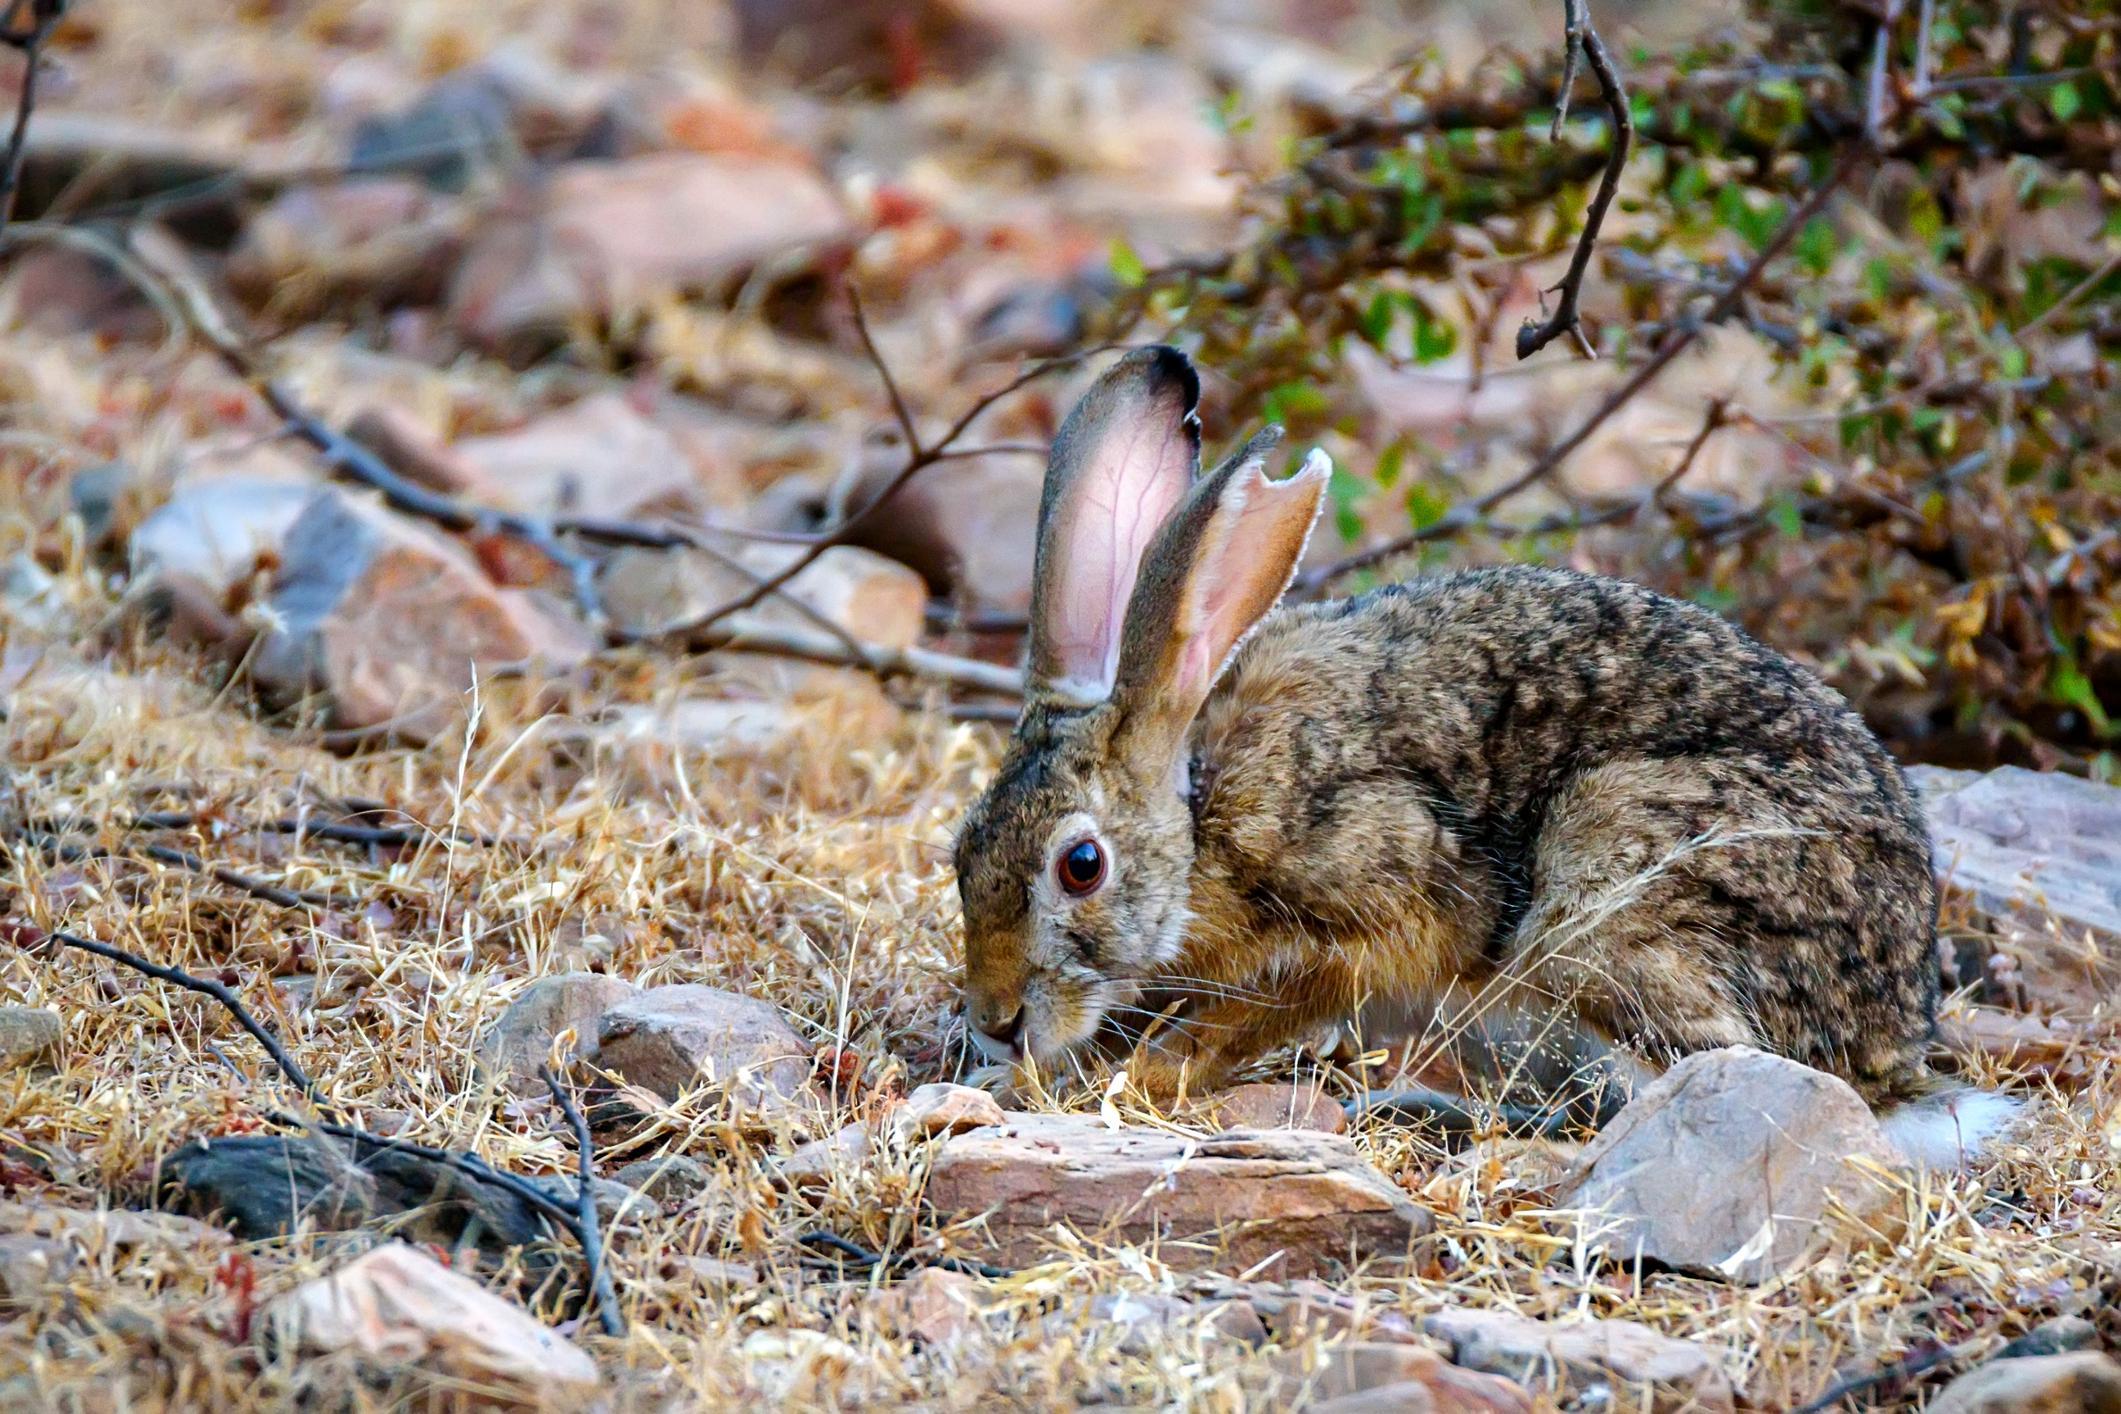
[(1112, 511), (1241, 577)]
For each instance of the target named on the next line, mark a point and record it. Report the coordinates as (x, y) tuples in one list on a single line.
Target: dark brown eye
[(1081, 867)]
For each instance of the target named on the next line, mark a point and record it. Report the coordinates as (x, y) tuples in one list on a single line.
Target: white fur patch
[(1950, 1130)]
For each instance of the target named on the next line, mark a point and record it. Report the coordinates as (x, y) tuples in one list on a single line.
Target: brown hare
[(1221, 826)]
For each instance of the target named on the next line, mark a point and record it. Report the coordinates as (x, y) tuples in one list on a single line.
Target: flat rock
[(1641, 1367), (1356, 1377), (1725, 1164), (674, 1039), (600, 238), (29, 1035), (1276, 1105), (2039, 851), (1150, 1322), (945, 1109), (110, 1230), (516, 1045), (933, 1306), (810, 1167), (388, 618), (1305, 1200), (670, 1180), (600, 456), (396, 1307), (2082, 1383)]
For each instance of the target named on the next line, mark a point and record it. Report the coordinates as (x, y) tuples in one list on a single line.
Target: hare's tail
[(1941, 1125)]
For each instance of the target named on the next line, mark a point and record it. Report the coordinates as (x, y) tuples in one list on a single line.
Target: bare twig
[(1535, 336), (716, 629), (1902, 1369), (182, 859), (591, 1236), (899, 409), (206, 986), (43, 16), (1460, 519), (351, 459), (920, 456)]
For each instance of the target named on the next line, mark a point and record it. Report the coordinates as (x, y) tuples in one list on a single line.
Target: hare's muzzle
[(997, 1026)]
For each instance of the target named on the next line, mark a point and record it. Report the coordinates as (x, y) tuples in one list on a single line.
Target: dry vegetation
[(817, 876)]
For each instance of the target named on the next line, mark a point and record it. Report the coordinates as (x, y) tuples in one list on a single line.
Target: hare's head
[(1074, 868)]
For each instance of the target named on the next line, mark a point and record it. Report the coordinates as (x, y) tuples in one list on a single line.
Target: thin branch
[(207, 986), (919, 458), (883, 371), (592, 1237), (181, 859), (1535, 336), (1461, 519), (717, 630), (43, 18)]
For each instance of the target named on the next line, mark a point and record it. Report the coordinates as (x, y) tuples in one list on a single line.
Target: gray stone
[(1645, 1368), (516, 1045), (29, 1036), (673, 1039), (1726, 1163)]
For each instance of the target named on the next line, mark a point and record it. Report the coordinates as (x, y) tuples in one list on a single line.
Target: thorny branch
[(1582, 38), (184, 859), (1461, 519), (578, 1222)]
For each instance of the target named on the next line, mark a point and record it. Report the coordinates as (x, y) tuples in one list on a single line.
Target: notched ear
[(1213, 573), (1121, 464)]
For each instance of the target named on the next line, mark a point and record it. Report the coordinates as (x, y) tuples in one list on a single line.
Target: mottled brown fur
[(1566, 791)]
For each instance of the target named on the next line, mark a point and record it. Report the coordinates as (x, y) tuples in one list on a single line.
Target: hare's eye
[(1081, 867)]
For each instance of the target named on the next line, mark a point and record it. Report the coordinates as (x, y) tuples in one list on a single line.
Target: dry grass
[(818, 882), (817, 878)]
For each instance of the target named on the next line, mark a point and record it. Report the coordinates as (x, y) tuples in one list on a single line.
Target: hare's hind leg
[(1625, 933)]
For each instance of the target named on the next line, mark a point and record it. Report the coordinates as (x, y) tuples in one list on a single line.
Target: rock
[(271, 1185), (217, 532), (670, 1180), (1277, 1105), (2083, 1383), (379, 240), (933, 1306), (596, 457), (515, 1046), (838, 44), (674, 1039), (389, 618), (1367, 1375), (601, 238), (29, 1036), (1306, 1201), (811, 1167), (103, 496), (944, 1109), (397, 1307), (2041, 853), (967, 525), (2058, 1335), (28, 1265), (647, 744), (1150, 1321), (1724, 1165), (1630, 1362), (263, 1186), (60, 290), (873, 598)]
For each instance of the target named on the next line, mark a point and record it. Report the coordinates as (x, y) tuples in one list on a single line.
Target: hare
[(1222, 826)]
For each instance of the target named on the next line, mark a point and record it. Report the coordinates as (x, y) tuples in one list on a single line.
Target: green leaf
[(1377, 318), (1346, 491), (1786, 516), (1425, 505), (1816, 245), (1433, 338), (2064, 101), (2069, 687), (1127, 267), (1390, 463), (2011, 362)]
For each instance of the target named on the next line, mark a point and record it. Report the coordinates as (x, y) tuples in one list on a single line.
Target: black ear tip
[(1169, 366)]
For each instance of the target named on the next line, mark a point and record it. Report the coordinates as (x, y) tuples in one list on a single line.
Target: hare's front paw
[(998, 1079)]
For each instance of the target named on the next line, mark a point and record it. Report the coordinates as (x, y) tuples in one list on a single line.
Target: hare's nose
[(1004, 1030)]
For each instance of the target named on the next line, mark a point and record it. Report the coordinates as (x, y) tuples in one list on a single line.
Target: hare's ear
[(1211, 575), (1121, 463)]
